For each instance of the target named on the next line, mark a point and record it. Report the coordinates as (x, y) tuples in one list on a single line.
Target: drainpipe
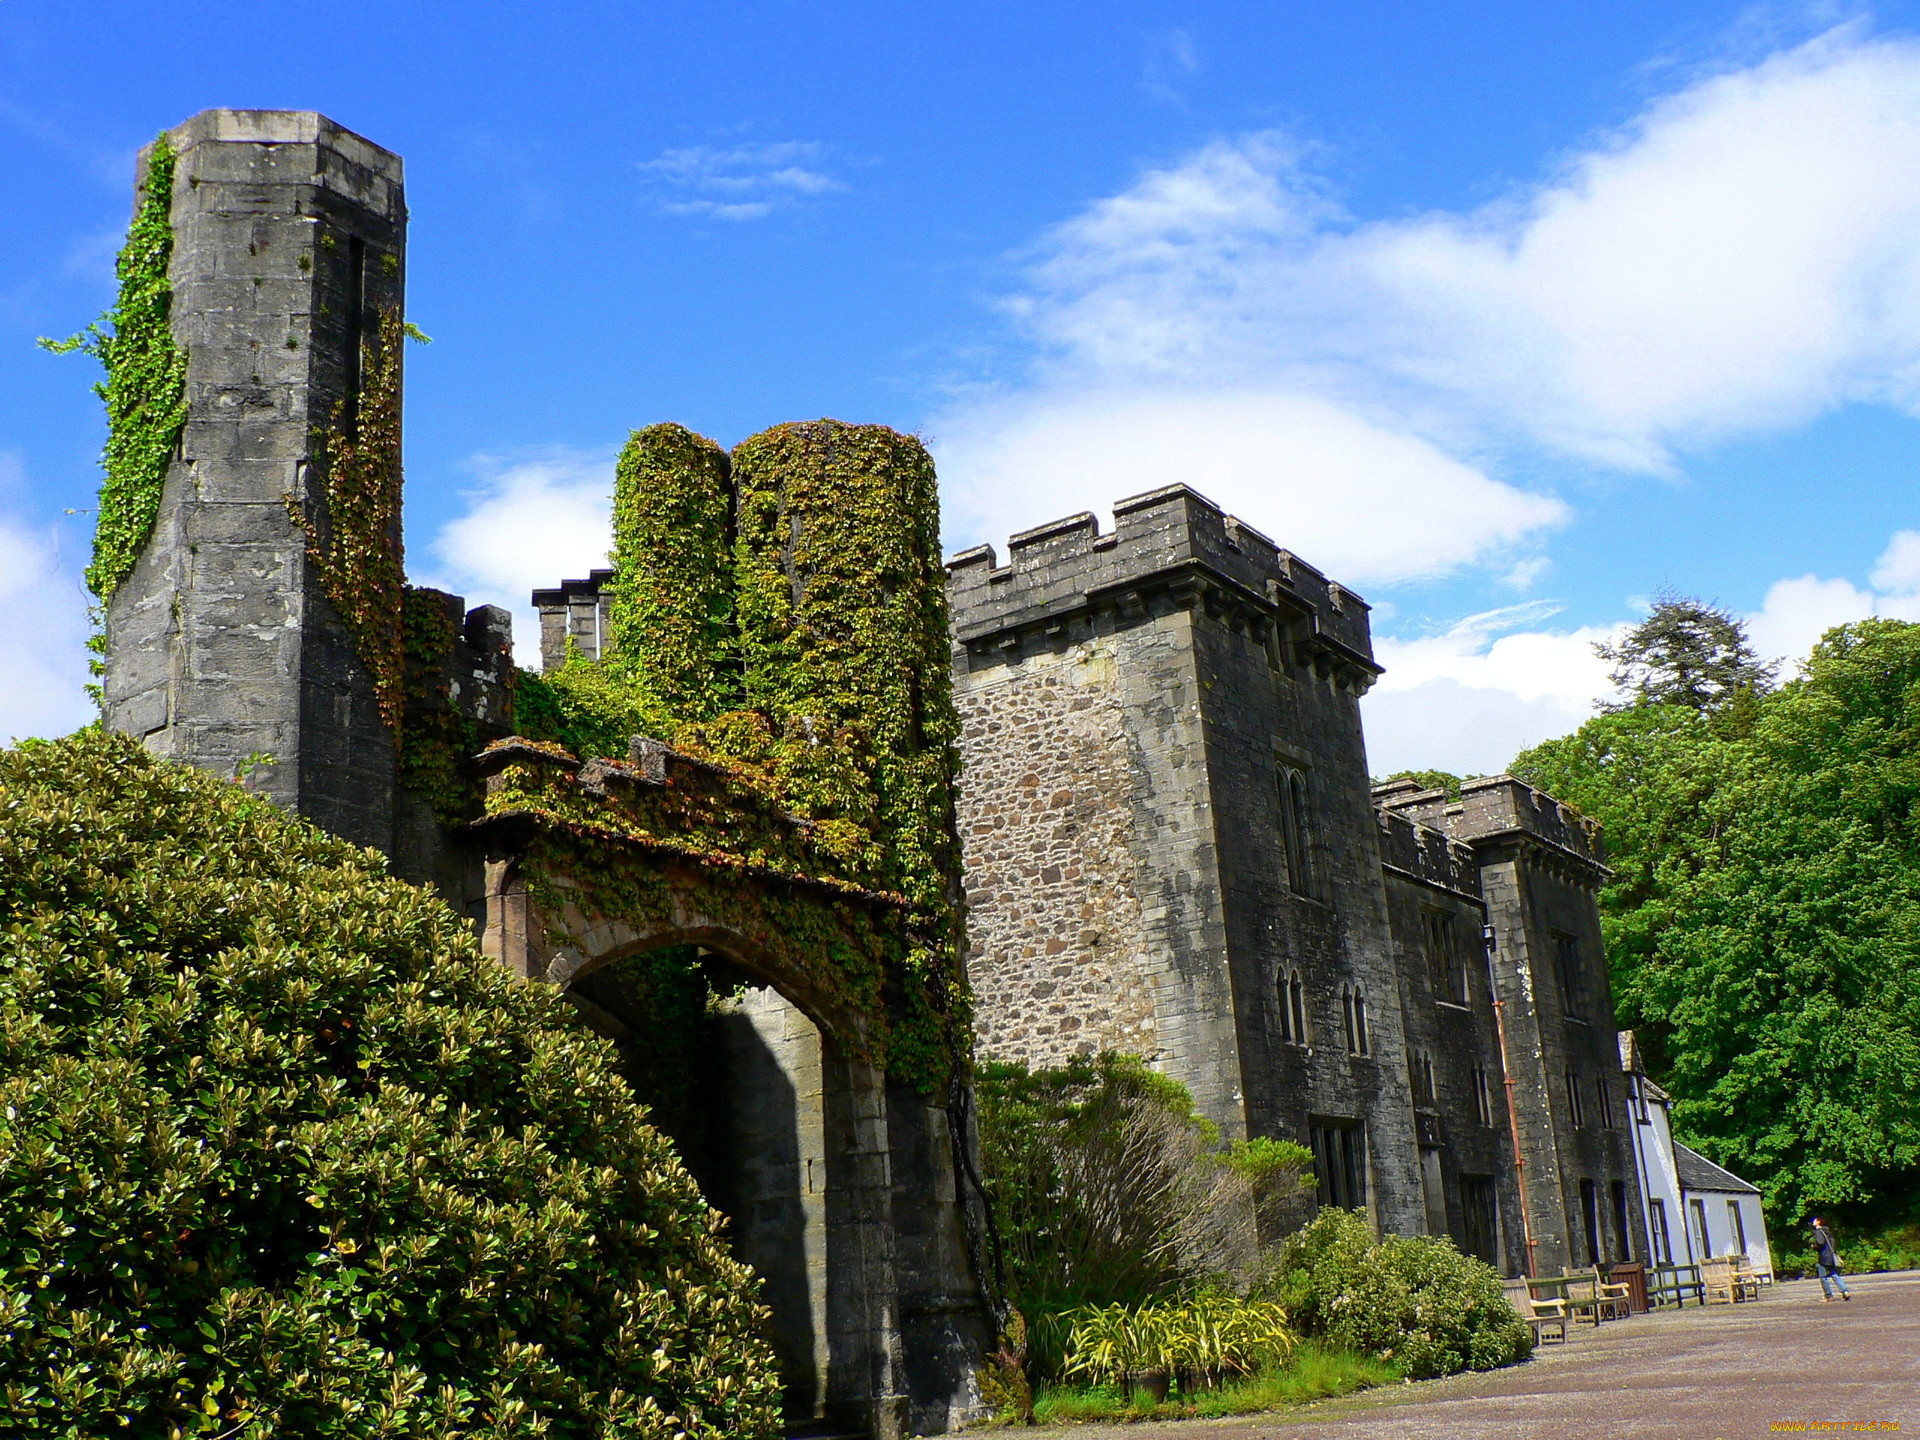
[(1506, 1076)]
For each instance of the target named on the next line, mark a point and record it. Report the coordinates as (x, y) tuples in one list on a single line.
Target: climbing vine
[(145, 389), (353, 536), (824, 628), (672, 620), (437, 739)]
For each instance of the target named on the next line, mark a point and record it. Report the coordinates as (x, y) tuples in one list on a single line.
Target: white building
[(1695, 1209)]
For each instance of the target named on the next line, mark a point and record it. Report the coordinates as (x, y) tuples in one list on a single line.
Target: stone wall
[(1541, 865), (1062, 960), (289, 240)]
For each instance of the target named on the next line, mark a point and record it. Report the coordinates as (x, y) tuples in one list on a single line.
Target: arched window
[(1296, 829), (1293, 1008), (1353, 1016)]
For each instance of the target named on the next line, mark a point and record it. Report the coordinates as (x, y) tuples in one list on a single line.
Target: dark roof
[(1699, 1173)]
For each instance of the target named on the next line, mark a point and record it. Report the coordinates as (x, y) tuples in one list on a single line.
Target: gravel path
[(1702, 1374)]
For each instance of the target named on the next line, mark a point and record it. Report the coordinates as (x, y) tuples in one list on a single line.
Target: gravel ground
[(1771, 1367)]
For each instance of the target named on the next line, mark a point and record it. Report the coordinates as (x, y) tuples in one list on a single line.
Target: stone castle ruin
[(1131, 764)]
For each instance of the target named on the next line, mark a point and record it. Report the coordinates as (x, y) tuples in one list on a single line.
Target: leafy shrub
[(1110, 1189), (282, 1154), (1204, 1339), (1411, 1299)]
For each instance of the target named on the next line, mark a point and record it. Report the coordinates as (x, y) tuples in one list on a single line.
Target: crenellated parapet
[(1499, 808), (1170, 547), (1427, 855)]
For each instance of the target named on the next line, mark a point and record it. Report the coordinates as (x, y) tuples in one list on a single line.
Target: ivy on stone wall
[(844, 644), (353, 535), (672, 620), (437, 740), (146, 385), (837, 675)]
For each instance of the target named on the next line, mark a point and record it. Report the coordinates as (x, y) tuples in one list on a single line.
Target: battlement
[(1423, 853), (1171, 541), (576, 610), (1497, 807)]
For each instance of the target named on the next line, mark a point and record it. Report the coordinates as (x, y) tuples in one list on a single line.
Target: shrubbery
[(1410, 1299), (282, 1154)]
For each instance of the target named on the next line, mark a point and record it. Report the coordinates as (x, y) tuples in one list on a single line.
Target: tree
[(1764, 917), (282, 1154), (1689, 653)]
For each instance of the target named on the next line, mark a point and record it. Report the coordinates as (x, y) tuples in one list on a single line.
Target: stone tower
[(289, 247)]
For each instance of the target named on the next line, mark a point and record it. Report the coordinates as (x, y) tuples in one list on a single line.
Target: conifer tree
[(1687, 652)]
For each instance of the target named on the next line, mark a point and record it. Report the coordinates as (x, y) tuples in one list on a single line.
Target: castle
[(1170, 845)]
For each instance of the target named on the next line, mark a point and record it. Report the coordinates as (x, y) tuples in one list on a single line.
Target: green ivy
[(672, 611), (809, 661), (146, 385), (353, 535), (437, 740)]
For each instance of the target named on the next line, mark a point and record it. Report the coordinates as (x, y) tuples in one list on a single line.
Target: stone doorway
[(778, 1128)]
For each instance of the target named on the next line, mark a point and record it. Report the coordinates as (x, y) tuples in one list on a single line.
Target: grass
[(1312, 1372)]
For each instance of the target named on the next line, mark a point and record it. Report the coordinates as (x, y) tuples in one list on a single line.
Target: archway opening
[(747, 1086)]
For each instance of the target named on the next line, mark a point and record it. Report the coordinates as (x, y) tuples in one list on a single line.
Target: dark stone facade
[(1172, 849)]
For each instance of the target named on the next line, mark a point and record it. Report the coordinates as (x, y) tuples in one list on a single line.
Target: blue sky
[(1510, 315)]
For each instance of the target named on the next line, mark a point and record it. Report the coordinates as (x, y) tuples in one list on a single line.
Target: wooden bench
[(1538, 1313), (1716, 1276)]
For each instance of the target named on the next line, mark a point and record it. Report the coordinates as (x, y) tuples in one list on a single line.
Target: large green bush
[(1411, 1299), (281, 1154)]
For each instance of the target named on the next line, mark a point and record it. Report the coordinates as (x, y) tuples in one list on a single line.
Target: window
[(1702, 1237), (1566, 969), (1622, 1229), (1296, 829), (1481, 1212), (1575, 1115), (1662, 1241), (1736, 1228), (1590, 1216), (1482, 1096), (1340, 1162), (1293, 1009), (1446, 967), (1605, 1093), (1423, 1092), (1353, 1017)]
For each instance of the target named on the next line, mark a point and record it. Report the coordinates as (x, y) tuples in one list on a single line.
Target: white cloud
[(1798, 611), (532, 522), (43, 654), (1471, 698), (1360, 501), (738, 182), (1740, 258)]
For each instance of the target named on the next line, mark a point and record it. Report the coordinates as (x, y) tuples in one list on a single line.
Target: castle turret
[(259, 629)]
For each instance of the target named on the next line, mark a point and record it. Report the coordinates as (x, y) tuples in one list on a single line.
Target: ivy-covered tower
[(250, 571)]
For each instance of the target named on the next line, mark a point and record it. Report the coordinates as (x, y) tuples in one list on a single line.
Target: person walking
[(1827, 1262)]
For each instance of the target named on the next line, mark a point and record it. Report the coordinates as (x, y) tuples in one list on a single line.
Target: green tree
[(1686, 652), (282, 1154), (1764, 918)]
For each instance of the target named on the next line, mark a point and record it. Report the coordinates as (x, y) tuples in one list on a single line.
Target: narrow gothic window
[(1423, 1091), (1606, 1101), (1296, 829), (1293, 1008), (1353, 1009), (1574, 1111), (1346, 1019), (1482, 1099), (1566, 965)]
